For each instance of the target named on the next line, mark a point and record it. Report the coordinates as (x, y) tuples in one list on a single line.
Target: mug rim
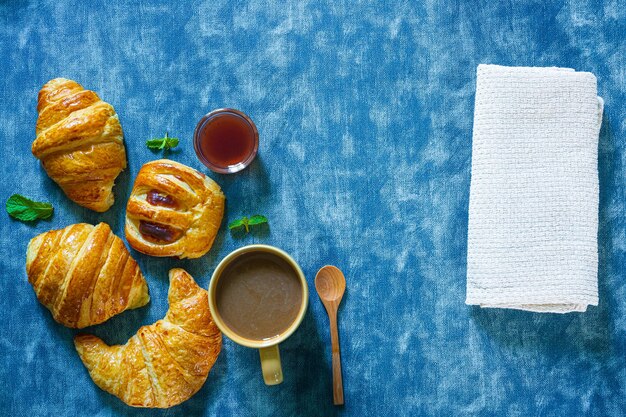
[(228, 259)]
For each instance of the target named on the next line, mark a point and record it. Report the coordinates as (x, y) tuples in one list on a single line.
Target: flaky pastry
[(173, 210), (84, 274), (79, 142), (164, 363)]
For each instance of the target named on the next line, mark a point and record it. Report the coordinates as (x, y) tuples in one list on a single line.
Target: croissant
[(173, 210), (164, 363), (79, 142), (84, 274)]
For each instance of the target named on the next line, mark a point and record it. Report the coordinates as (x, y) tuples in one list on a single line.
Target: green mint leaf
[(155, 143), (257, 219), (171, 143), (237, 223), (27, 210), (165, 142)]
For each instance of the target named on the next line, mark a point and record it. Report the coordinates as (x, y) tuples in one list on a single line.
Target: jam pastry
[(164, 363), (173, 210), (84, 274), (79, 142)]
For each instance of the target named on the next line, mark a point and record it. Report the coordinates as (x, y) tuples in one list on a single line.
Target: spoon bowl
[(330, 283)]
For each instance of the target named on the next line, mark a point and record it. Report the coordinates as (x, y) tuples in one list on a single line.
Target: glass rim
[(230, 169)]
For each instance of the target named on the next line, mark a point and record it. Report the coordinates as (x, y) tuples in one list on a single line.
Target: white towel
[(533, 209)]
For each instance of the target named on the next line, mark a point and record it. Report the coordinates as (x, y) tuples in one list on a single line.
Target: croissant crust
[(84, 274), (79, 142), (173, 210), (164, 363)]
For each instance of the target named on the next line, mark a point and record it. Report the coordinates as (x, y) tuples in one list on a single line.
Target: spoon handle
[(337, 380)]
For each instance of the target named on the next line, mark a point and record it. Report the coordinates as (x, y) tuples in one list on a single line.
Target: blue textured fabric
[(365, 117)]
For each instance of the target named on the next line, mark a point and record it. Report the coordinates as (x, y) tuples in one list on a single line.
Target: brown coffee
[(258, 295)]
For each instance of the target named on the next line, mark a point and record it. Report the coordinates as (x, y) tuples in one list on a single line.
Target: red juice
[(226, 140)]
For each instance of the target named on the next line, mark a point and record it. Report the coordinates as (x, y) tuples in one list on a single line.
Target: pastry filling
[(158, 233), (157, 199)]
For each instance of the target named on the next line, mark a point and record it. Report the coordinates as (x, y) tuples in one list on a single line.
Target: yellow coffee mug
[(268, 348)]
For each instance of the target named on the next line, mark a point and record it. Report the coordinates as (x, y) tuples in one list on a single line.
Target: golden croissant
[(164, 363), (84, 274), (173, 210), (79, 142)]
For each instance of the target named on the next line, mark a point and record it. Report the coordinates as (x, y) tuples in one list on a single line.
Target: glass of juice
[(226, 140)]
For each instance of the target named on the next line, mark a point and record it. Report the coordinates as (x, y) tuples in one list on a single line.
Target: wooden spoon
[(330, 285)]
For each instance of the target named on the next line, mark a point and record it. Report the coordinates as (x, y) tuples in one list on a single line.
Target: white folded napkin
[(533, 209)]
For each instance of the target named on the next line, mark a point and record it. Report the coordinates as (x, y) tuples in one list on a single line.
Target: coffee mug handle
[(270, 364)]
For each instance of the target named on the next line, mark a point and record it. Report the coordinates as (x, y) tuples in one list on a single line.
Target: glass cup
[(206, 128)]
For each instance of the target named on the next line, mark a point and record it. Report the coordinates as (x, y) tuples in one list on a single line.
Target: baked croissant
[(164, 363), (84, 274), (173, 210), (79, 142)]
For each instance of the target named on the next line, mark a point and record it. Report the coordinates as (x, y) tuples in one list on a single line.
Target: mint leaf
[(162, 143), (237, 223), (25, 209), (257, 219)]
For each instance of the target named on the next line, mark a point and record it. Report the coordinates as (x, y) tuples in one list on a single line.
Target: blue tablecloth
[(365, 117)]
